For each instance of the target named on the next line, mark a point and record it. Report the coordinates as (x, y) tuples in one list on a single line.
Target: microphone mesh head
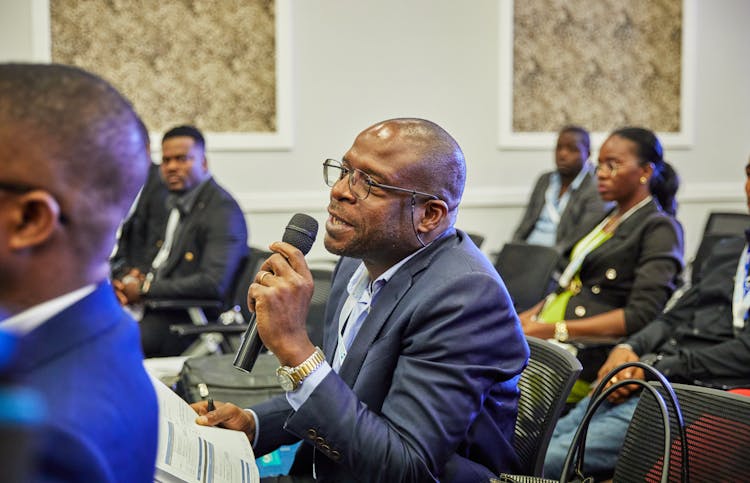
[(301, 232)]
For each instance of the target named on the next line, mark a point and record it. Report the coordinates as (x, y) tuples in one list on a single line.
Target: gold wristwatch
[(290, 378), (561, 331)]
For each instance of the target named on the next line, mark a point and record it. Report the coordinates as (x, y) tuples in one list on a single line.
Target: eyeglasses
[(24, 188), (608, 167), (360, 182)]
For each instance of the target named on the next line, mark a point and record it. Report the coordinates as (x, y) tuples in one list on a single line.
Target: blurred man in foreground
[(72, 158)]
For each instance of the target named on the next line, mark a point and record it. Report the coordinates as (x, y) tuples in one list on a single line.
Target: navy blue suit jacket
[(429, 386), (102, 415)]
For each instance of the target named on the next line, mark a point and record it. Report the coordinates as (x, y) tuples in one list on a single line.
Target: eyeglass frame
[(367, 180), (19, 188), (611, 168)]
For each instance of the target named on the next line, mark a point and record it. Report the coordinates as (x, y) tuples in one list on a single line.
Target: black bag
[(214, 376), (573, 466)]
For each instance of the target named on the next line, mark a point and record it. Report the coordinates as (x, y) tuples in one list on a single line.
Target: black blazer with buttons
[(209, 245), (637, 269)]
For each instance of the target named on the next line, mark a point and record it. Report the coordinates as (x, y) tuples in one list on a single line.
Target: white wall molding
[(493, 198)]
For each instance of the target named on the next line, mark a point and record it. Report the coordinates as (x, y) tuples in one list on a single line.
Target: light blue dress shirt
[(545, 229)]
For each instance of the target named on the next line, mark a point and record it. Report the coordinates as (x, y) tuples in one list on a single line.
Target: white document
[(189, 452)]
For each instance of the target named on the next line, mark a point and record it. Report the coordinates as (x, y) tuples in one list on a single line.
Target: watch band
[(295, 375), (561, 331)]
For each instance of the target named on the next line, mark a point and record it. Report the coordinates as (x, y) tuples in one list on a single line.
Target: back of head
[(441, 169), (72, 134), (664, 182)]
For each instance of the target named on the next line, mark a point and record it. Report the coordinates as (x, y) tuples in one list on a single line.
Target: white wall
[(358, 62)]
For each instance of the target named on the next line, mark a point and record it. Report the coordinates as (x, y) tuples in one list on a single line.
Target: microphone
[(300, 232)]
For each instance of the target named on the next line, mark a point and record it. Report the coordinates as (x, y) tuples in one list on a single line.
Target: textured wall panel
[(206, 62), (598, 63)]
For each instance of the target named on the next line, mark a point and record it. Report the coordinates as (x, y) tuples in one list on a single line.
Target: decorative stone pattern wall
[(205, 62), (598, 63)]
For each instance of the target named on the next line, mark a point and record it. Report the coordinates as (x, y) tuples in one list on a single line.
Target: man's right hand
[(226, 415), (618, 356)]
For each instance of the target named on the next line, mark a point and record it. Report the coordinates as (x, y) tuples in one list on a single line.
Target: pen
[(211, 406)]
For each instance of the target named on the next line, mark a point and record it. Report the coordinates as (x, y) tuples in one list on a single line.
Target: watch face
[(285, 381)]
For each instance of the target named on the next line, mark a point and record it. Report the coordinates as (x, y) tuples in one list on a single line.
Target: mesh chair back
[(717, 426), (545, 384), (315, 317), (527, 271), (719, 225), (725, 223), (477, 239), (245, 277)]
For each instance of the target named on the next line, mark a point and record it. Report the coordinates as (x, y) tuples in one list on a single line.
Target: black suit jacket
[(695, 339), (209, 245), (583, 211), (142, 232), (637, 269)]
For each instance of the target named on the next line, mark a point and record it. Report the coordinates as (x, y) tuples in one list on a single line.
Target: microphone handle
[(250, 347)]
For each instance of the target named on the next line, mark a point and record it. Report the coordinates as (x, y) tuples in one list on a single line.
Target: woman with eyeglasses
[(621, 274)]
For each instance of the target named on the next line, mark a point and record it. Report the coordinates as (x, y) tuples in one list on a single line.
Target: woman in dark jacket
[(621, 273)]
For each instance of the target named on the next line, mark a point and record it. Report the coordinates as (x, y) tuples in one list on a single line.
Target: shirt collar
[(576, 183), (581, 174), (185, 201), (28, 320), (360, 282)]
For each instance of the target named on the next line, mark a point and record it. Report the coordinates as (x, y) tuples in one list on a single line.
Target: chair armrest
[(594, 341), (183, 303), (190, 329)]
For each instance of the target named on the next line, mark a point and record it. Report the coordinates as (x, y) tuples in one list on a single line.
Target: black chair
[(717, 428), (322, 276), (477, 239), (221, 335), (545, 384), (527, 271), (719, 225), (653, 441)]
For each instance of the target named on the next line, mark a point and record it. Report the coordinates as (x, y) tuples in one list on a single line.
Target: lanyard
[(347, 311), (592, 241), (741, 299)]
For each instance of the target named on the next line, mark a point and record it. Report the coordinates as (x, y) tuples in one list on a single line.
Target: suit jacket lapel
[(386, 302), (625, 229), (186, 224)]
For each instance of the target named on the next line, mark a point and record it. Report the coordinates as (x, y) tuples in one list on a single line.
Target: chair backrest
[(718, 226), (717, 426), (315, 317), (322, 275), (477, 239), (726, 223), (527, 271), (245, 277), (545, 384)]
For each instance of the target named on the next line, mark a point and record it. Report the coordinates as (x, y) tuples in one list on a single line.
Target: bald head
[(437, 163), (70, 134)]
